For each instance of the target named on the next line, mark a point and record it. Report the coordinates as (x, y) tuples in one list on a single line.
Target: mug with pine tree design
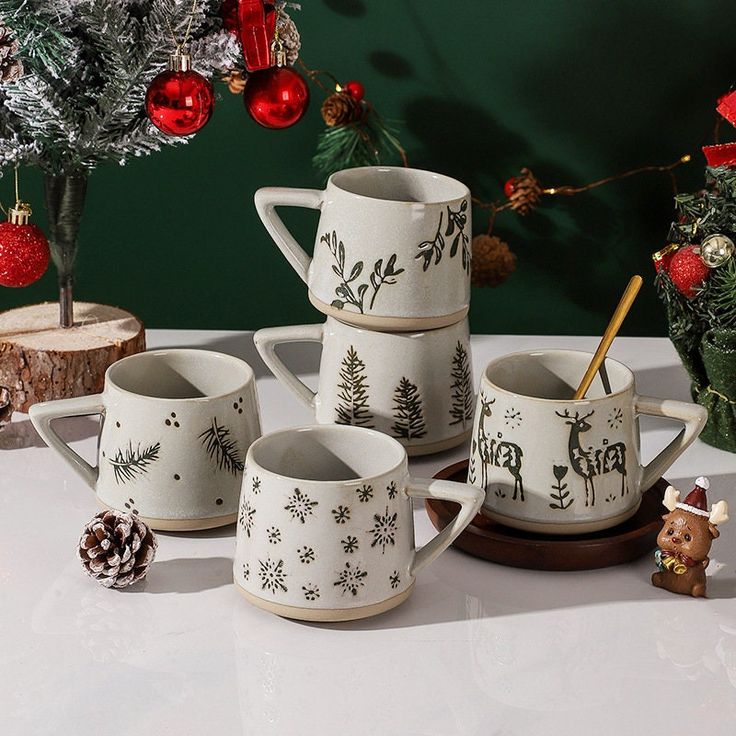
[(415, 386)]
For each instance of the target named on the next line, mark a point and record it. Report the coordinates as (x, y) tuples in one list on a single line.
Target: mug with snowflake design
[(325, 527), (552, 464)]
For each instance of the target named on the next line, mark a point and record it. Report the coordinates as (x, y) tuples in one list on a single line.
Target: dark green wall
[(574, 89)]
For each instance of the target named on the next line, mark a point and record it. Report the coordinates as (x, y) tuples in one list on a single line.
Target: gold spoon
[(611, 331)]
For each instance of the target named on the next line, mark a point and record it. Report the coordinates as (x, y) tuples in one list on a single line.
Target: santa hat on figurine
[(696, 502)]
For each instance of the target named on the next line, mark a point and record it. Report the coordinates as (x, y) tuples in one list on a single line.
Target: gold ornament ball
[(715, 250)]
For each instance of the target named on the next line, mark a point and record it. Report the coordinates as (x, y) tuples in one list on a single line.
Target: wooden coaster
[(492, 541)]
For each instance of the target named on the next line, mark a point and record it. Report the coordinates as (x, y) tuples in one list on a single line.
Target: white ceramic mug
[(551, 464), (326, 530), (176, 425), (415, 386), (393, 246)]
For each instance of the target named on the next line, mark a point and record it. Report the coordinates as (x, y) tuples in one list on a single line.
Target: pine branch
[(222, 448), (129, 463)]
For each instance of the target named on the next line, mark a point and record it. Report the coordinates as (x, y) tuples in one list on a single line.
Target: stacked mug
[(391, 271)]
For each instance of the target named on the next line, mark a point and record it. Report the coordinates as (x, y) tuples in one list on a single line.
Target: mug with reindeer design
[(393, 246), (552, 464)]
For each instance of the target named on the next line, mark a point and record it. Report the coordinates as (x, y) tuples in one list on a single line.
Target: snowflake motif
[(311, 592), (384, 530), (351, 579), (341, 514), (247, 512), (365, 493), (274, 534), (392, 490), (300, 505), (349, 544), (615, 418), (306, 555), (272, 575), (512, 418), (394, 579), (256, 485), (246, 571)]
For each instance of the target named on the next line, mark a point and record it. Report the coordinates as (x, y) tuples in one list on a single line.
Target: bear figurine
[(685, 540)]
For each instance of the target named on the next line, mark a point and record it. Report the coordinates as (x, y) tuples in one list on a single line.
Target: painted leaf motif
[(337, 304), (357, 270)]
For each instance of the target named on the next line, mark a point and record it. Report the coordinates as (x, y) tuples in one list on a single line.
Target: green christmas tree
[(461, 409), (408, 411), (353, 392)]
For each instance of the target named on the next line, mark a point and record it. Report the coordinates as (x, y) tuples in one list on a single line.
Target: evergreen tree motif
[(408, 412), (461, 410), (353, 392)]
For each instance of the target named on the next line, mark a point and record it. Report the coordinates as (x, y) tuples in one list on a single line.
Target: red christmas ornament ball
[(687, 270), (277, 97), (509, 186), (24, 254), (355, 89), (180, 102)]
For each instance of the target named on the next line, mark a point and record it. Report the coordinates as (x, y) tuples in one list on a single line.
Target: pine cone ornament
[(235, 81), (290, 39), (116, 548), (524, 192), (10, 67), (493, 261), (340, 108)]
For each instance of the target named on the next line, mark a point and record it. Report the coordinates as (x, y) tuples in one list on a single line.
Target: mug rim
[(334, 180), (501, 358), (111, 383), (326, 428)]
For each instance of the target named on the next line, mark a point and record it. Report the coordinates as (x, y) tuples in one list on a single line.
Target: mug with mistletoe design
[(326, 530), (176, 425), (393, 246)]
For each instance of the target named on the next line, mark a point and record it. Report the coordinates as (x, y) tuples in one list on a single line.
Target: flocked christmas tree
[(353, 392), (408, 411), (79, 101)]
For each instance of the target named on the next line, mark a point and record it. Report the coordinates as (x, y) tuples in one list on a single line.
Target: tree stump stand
[(41, 361)]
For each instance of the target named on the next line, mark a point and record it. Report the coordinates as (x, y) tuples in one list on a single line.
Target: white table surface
[(478, 649)]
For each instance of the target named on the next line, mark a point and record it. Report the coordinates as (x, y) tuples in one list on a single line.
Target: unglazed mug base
[(388, 324), (540, 527), (327, 614), (440, 446), (181, 525)]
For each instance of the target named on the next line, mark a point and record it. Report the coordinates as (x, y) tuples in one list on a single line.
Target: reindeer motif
[(593, 461), (493, 452)]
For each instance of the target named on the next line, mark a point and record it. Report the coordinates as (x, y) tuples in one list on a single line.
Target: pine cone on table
[(526, 192), (116, 548), (10, 67), (493, 261), (340, 108), (6, 406)]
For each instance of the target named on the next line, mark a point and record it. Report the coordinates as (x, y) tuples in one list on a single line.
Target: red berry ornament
[(180, 101), (355, 89), (277, 97), (687, 270), (509, 186), (24, 250)]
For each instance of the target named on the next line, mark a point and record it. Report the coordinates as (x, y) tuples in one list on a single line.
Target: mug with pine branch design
[(176, 425), (415, 386)]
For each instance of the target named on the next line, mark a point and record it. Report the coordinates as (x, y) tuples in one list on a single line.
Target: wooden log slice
[(40, 361)]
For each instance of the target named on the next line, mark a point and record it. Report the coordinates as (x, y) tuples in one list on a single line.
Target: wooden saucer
[(492, 541)]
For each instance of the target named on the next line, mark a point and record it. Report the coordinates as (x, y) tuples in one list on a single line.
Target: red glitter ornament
[(277, 97), (24, 250), (180, 101), (509, 186), (687, 270), (355, 89)]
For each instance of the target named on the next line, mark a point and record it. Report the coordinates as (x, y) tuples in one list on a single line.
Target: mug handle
[(266, 201), (693, 416), (470, 499), (41, 416), (266, 341)]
